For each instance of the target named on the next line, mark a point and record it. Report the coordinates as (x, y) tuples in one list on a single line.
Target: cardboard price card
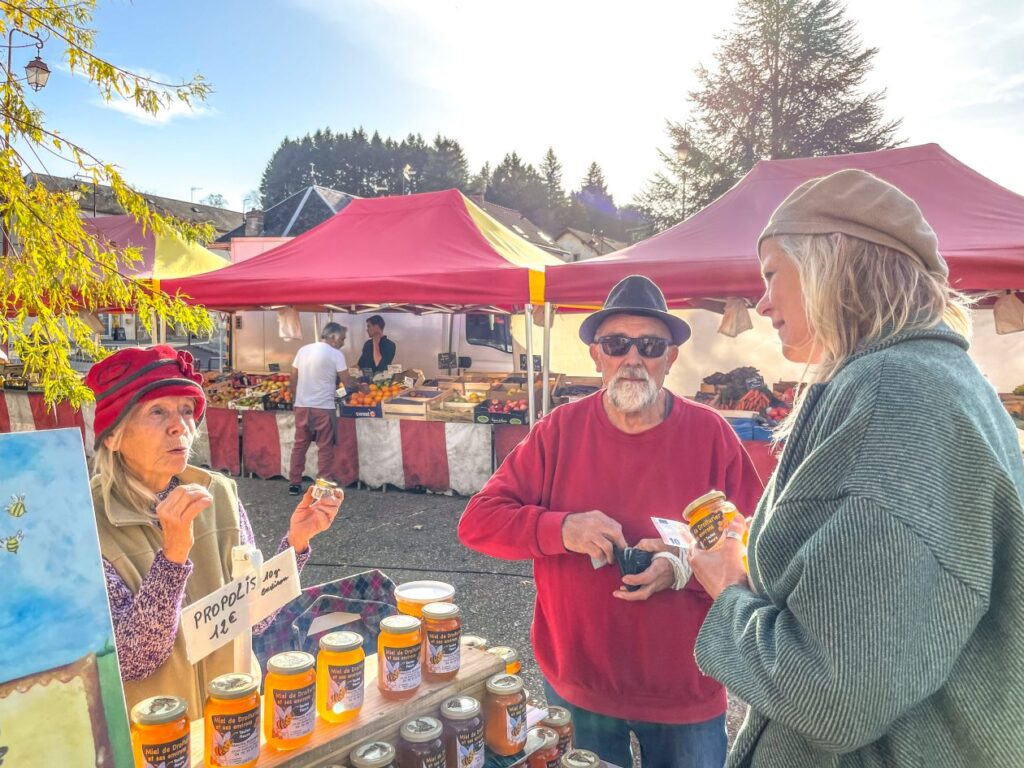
[(673, 532), (223, 615)]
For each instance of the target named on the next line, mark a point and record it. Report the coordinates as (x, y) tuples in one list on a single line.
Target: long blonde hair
[(857, 293), (117, 478)]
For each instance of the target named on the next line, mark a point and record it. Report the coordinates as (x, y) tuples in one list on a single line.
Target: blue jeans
[(695, 745)]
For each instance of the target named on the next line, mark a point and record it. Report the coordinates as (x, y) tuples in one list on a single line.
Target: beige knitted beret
[(861, 205)]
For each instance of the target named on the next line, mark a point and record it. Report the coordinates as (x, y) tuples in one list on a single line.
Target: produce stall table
[(378, 719), (438, 456)]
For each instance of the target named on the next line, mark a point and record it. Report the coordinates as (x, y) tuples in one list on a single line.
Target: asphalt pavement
[(412, 536)]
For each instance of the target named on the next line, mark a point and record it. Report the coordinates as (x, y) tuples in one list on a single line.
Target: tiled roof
[(522, 226), (106, 204)]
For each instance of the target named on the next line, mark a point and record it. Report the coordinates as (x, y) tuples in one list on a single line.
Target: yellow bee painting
[(16, 508), (13, 542)]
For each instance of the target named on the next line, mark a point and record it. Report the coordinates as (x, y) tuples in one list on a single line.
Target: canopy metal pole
[(530, 377), (546, 360)]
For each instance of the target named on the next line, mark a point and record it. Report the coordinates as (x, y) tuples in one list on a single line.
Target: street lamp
[(36, 74), (682, 148)]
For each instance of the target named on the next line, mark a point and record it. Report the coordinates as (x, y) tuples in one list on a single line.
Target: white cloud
[(174, 110)]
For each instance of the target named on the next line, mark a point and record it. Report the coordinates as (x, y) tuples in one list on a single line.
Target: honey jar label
[(443, 650), (236, 738), (172, 754), (402, 670), (564, 743), (708, 530), (346, 687), (515, 723), (435, 759), (294, 712), (471, 748)]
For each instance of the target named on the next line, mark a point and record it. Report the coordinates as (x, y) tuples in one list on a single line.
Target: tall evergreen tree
[(593, 208), (481, 180), (554, 216), (787, 82), (517, 185), (446, 166)]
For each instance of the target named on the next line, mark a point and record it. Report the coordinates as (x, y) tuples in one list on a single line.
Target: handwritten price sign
[(221, 616)]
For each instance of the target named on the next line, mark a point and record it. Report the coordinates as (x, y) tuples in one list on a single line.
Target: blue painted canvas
[(57, 657)]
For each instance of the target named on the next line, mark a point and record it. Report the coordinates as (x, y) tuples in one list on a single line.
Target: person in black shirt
[(379, 350)]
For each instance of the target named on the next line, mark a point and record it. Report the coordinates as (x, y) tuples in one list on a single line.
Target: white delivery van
[(480, 341)]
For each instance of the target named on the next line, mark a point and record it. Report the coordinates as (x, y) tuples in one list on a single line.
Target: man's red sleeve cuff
[(549, 533)]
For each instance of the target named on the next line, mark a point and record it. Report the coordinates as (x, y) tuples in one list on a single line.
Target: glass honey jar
[(545, 752), (511, 657), (580, 758), (505, 714), (463, 732), (413, 595), (399, 665), (708, 517), (442, 635), (232, 715), (339, 676), (559, 719), (420, 744), (160, 732), (290, 693), (374, 754), (475, 641)]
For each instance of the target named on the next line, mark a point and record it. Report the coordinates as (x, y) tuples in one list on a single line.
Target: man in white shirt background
[(314, 379)]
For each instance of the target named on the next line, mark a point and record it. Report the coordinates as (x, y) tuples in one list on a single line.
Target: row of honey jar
[(458, 738), (161, 734)]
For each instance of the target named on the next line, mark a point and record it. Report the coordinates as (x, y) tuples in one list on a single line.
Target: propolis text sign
[(221, 616)]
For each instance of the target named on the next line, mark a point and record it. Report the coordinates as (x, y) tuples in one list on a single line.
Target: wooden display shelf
[(378, 719)]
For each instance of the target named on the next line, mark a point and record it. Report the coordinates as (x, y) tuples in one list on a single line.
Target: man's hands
[(176, 514), (656, 578), (592, 533)]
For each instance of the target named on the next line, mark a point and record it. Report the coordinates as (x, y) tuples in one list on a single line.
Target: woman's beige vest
[(129, 541)]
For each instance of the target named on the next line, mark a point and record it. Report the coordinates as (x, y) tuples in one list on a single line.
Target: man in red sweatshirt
[(589, 476)]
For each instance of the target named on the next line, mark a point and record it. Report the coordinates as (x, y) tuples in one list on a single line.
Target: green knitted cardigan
[(887, 626)]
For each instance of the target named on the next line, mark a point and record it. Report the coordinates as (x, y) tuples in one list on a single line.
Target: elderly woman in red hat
[(166, 528)]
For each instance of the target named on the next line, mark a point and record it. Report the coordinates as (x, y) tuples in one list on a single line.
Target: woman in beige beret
[(883, 620)]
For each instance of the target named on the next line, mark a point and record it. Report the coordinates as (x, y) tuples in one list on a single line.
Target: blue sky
[(594, 80), (54, 607)]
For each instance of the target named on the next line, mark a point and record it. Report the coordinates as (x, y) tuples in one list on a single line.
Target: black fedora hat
[(635, 295)]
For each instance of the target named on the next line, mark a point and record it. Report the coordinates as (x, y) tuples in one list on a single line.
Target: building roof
[(522, 226), (101, 200), (297, 213), (598, 243)]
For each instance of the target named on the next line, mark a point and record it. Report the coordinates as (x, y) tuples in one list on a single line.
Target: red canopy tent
[(426, 250), (980, 227)]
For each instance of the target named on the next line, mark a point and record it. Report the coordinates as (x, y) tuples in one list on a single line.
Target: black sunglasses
[(647, 346)]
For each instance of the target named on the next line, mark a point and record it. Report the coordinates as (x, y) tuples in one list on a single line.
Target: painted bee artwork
[(11, 543), (393, 671), (57, 652), (17, 506), (516, 725), (435, 653), (222, 743), (282, 720)]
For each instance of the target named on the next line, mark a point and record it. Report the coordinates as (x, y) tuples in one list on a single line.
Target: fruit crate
[(413, 404), (485, 415)]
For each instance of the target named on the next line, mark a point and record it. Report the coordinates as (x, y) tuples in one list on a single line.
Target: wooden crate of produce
[(451, 406), (411, 404), (378, 719)]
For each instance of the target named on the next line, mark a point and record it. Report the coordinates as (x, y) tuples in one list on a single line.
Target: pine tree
[(517, 185), (787, 82), (446, 166), (593, 208)]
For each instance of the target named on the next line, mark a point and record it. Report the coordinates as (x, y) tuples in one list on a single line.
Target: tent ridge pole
[(530, 377)]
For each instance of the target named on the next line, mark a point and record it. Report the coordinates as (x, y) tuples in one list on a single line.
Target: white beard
[(632, 396)]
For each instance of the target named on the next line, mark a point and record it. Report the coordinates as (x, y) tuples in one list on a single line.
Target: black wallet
[(632, 560)]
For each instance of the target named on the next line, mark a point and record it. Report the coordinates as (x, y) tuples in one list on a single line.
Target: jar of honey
[(160, 732), (413, 595), (463, 732), (374, 754), (420, 744), (474, 641), (580, 758), (290, 692), (708, 517), (399, 666), (232, 715), (545, 752), (505, 714), (442, 633), (339, 676), (559, 719), (510, 656)]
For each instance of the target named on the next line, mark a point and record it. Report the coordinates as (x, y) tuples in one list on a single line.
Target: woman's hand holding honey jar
[(723, 565)]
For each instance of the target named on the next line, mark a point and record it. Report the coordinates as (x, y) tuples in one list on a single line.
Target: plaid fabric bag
[(365, 598)]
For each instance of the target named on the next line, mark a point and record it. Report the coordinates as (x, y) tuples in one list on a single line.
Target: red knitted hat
[(137, 374)]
